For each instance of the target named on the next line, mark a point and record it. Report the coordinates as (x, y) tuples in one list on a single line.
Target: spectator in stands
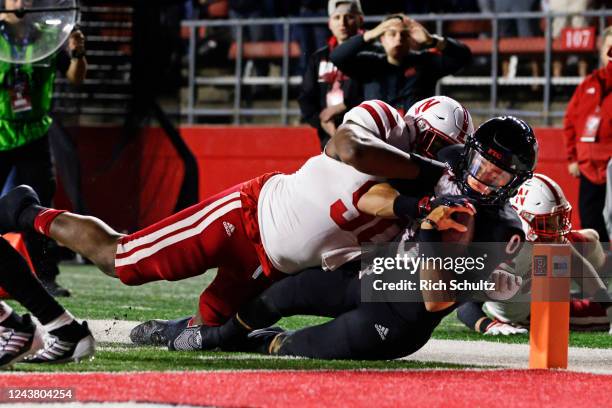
[(410, 66), (588, 138), (559, 23), (326, 92), (311, 36), (25, 101)]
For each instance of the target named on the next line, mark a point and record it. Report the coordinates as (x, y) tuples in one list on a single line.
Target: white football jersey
[(308, 215)]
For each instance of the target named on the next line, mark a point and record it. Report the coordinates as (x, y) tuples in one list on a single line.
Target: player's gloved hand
[(452, 201), (497, 328), (506, 285)]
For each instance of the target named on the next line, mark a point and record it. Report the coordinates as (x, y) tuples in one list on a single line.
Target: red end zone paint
[(454, 388)]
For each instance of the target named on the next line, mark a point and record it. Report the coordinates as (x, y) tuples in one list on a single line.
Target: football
[(451, 235)]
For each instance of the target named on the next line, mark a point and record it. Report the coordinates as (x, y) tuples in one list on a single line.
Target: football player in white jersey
[(546, 217), (258, 231)]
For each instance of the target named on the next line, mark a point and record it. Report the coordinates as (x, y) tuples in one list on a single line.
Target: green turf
[(96, 296)]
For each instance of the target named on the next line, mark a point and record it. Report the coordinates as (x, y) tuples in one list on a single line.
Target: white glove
[(496, 328), (506, 285)]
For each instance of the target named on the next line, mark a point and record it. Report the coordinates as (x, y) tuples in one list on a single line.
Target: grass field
[(96, 296)]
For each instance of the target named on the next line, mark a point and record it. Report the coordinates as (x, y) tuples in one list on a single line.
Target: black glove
[(451, 201)]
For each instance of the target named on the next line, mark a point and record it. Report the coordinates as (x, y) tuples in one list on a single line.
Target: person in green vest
[(26, 91)]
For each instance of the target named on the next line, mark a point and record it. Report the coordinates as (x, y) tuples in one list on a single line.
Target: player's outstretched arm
[(370, 155)]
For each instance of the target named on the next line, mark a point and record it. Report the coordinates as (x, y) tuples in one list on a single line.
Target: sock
[(43, 219), (28, 214), (62, 320), (17, 279), (70, 332), (5, 311)]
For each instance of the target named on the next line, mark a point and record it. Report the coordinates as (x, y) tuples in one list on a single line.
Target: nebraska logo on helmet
[(436, 123), (428, 103)]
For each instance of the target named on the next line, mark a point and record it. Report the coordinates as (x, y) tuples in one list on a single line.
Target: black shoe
[(11, 206), (54, 288), (18, 343), (73, 342), (258, 341), (158, 332)]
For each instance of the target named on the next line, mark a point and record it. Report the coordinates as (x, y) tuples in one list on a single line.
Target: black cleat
[(158, 332), (258, 341), (11, 206)]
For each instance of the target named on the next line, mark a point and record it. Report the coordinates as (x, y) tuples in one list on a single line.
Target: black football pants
[(368, 331)]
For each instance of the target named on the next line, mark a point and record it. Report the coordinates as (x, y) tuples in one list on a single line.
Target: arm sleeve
[(453, 58), (353, 58), (309, 98), (569, 131)]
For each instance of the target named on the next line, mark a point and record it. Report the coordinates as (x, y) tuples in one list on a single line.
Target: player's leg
[(72, 340), (373, 331), (20, 210), (312, 292), (183, 245)]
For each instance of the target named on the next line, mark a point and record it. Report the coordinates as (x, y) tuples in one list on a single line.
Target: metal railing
[(191, 112)]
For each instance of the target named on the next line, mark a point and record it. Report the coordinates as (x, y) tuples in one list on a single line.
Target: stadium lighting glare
[(53, 22)]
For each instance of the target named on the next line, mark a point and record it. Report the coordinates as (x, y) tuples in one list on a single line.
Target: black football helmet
[(497, 158)]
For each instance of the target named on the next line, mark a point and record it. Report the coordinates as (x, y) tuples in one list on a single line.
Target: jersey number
[(338, 210)]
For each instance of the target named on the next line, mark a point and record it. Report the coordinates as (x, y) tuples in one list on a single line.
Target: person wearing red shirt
[(588, 139)]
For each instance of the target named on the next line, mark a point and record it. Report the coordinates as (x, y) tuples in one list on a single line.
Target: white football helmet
[(438, 122), (544, 211), (381, 120)]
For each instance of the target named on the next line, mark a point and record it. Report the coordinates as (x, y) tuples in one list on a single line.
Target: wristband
[(406, 208), (484, 324)]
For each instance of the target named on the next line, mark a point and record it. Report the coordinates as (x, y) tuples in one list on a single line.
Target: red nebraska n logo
[(426, 105)]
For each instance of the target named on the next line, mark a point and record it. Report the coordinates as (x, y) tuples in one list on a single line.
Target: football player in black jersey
[(488, 170)]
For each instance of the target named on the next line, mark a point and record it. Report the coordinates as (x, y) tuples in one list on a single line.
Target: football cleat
[(11, 206), (189, 339), (259, 341), (158, 332), (17, 344), (60, 348)]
